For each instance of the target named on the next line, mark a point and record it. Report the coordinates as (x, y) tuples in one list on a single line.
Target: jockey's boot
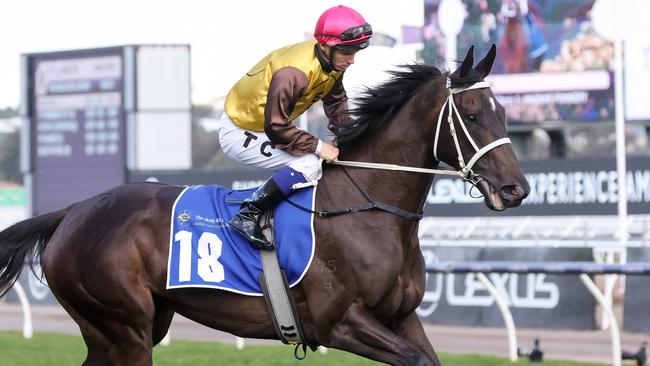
[(247, 221)]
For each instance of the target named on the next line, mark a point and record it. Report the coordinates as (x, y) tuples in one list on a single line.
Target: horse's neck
[(405, 140)]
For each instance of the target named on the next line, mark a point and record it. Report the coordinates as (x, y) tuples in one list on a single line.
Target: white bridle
[(465, 171)]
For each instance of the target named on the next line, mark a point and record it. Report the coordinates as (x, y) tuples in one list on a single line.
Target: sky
[(226, 37)]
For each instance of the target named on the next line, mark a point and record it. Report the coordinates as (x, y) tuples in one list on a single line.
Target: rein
[(465, 173), (361, 164), (370, 205)]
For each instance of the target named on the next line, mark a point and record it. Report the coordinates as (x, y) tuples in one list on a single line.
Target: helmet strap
[(331, 58), (325, 60)]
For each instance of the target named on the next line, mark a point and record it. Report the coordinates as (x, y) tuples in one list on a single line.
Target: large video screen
[(77, 125), (551, 63)]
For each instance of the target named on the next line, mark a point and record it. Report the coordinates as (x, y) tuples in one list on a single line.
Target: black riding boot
[(247, 220)]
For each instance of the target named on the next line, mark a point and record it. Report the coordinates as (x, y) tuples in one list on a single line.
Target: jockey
[(256, 128)]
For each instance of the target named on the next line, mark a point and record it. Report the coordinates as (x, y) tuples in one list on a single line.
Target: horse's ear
[(485, 65), (468, 63)]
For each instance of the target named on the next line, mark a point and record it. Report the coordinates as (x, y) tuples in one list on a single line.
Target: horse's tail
[(28, 237)]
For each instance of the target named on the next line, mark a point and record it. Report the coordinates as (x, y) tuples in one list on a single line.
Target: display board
[(536, 300), (76, 125), (552, 65), (92, 115), (558, 187)]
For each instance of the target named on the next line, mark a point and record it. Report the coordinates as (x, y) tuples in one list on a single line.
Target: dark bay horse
[(105, 258)]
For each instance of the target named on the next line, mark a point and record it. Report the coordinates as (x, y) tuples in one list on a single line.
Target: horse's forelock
[(458, 81)]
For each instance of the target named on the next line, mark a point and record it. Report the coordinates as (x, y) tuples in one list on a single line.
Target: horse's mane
[(377, 105)]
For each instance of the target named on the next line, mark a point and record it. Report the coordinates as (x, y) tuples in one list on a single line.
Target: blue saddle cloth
[(205, 252)]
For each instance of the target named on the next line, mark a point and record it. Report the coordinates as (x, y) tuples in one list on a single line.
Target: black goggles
[(353, 33)]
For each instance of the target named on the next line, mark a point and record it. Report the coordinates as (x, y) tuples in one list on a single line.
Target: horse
[(513, 46), (523, 43), (105, 258)]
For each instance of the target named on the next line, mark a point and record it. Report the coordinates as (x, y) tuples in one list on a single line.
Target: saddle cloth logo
[(205, 252)]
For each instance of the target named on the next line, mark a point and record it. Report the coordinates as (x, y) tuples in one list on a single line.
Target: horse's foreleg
[(410, 328), (360, 333)]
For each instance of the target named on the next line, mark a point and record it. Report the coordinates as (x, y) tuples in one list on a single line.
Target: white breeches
[(254, 149)]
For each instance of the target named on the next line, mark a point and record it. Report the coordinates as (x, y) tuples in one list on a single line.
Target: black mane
[(378, 105)]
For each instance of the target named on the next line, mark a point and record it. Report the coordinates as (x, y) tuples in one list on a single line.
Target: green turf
[(64, 350)]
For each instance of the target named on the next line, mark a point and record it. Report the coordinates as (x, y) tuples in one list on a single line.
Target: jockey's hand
[(329, 152)]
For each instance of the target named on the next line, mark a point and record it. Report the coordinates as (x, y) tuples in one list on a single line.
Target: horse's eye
[(471, 118)]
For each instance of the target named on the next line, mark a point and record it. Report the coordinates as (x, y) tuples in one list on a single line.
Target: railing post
[(239, 343), (505, 312), (28, 329), (167, 340), (613, 325)]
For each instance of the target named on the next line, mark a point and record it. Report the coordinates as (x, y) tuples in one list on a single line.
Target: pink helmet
[(344, 28)]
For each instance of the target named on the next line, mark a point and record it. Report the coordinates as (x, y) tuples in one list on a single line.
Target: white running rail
[(28, 328)]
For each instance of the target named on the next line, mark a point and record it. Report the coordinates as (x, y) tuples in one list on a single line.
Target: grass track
[(65, 350)]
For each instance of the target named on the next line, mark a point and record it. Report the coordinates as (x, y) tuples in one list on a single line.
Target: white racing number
[(209, 251)]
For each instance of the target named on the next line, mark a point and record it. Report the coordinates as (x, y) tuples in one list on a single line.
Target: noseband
[(465, 171)]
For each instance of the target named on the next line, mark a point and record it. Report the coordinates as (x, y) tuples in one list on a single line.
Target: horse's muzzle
[(506, 196)]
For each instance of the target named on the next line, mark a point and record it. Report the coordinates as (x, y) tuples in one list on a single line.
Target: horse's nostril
[(512, 191)]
